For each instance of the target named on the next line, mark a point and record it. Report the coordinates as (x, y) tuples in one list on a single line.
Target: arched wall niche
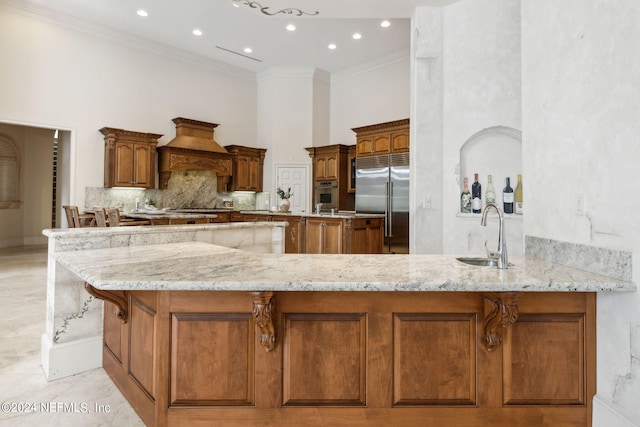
[(495, 151)]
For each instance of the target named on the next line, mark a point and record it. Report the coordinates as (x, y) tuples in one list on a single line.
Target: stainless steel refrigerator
[(382, 186)]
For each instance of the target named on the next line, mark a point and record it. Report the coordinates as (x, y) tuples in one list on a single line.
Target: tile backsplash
[(191, 189)]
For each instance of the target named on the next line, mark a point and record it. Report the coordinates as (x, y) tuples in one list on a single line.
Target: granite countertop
[(338, 214), (168, 215), (202, 266)]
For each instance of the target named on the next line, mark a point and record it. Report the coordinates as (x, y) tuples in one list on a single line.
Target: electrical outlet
[(580, 204)]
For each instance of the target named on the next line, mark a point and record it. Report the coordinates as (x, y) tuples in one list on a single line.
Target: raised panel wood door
[(332, 237), (364, 146), (382, 144), (133, 165), (124, 165), (142, 165), (400, 142), (326, 167), (242, 178), (313, 236)]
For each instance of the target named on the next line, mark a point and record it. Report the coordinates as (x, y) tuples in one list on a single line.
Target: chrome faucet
[(501, 254), (318, 207)]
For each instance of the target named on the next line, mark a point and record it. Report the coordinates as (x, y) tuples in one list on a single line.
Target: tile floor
[(23, 278)]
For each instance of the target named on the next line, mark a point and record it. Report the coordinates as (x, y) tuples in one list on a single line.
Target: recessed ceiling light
[(291, 27), (143, 13), (247, 50), (356, 36), (332, 46), (236, 5), (197, 32), (385, 24)]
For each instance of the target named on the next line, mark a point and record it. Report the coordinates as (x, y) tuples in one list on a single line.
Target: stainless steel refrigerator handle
[(390, 208), (386, 211)]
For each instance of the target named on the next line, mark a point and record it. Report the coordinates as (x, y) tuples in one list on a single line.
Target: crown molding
[(384, 61)]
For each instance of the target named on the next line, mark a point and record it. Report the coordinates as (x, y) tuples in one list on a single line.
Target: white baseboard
[(605, 415), (70, 358)]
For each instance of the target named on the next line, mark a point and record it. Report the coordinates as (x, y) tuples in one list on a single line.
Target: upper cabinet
[(326, 166), (382, 138), (331, 163), (129, 158), (248, 168)]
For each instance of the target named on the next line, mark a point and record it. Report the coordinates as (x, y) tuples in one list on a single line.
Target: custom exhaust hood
[(193, 148)]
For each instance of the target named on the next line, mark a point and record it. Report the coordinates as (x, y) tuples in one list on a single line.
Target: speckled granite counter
[(338, 214), (201, 266)]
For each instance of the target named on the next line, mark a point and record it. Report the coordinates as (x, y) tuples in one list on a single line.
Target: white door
[(296, 178)]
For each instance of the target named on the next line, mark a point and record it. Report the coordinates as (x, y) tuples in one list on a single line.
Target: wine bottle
[(476, 198), (490, 195), (517, 197), (507, 198), (465, 198)]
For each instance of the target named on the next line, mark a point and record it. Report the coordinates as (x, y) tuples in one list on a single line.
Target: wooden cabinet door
[(327, 167), (133, 165), (241, 176), (332, 236), (254, 174), (124, 165), (313, 236), (382, 144), (400, 142), (364, 146), (142, 165), (375, 237)]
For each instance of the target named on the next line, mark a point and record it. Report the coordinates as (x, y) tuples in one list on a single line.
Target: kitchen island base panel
[(351, 358)]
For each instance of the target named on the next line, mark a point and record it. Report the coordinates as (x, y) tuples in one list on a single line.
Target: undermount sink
[(481, 262)]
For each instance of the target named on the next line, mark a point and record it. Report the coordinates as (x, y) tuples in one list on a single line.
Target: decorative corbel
[(263, 317), (503, 312), (118, 298)]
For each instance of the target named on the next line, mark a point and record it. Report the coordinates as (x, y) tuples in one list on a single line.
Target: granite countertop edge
[(201, 266)]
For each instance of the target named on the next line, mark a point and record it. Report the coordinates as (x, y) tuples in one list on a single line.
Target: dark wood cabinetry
[(248, 168), (363, 358), (294, 234), (331, 163), (324, 236), (129, 158), (382, 138)]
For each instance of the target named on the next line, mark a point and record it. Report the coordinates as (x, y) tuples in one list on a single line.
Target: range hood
[(193, 148)]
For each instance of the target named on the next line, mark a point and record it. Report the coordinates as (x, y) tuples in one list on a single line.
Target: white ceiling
[(256, 24)]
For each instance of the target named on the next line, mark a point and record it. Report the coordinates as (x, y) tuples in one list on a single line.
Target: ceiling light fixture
[(265, 9), (247, 50), (291, 27), (385, 24), (357, 36), (332, 46), (143, 13), (197, 32)]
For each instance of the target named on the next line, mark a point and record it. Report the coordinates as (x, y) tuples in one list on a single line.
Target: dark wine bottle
[(476, 198), (507, 198)]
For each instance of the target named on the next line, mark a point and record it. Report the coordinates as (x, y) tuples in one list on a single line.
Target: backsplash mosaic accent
[(608, 262)]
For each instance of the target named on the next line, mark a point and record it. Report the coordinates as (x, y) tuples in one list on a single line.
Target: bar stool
[(101, 217), (114, 220)]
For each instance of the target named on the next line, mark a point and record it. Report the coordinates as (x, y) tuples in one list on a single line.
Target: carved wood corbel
[(263, 316), (503, 312), (118, 298)]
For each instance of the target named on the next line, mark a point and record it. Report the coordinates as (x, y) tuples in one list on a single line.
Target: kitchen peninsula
[(197, 333)]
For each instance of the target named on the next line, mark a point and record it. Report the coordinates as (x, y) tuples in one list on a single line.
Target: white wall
[(467, 69), (581, 103), (293, 113), (364, 96), (59, 77)]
